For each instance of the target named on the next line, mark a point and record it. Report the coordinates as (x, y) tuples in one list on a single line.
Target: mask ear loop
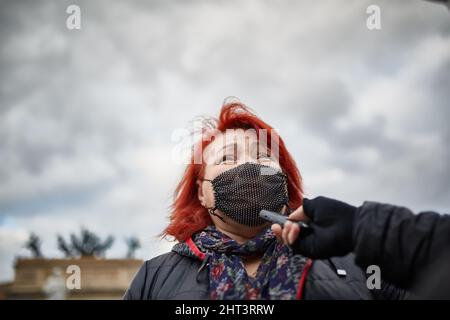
[(212, 209), (211, 212)]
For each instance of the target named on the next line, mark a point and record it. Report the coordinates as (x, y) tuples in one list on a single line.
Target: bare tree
[(87, 244), (133, 244), (34, 245), (64, 247)]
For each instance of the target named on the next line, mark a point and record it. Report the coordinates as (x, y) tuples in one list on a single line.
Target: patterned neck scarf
[(277, 276)]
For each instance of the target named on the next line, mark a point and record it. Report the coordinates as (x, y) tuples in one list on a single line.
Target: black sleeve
[(138, 284), (390, 292), (401, 243)]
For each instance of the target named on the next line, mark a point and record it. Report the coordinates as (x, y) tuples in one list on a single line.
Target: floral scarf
[(277, 276)]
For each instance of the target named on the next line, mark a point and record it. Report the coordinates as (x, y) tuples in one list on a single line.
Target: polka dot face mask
[(242, 192)]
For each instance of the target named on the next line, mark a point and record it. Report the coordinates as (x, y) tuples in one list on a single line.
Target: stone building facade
[(83, 278)]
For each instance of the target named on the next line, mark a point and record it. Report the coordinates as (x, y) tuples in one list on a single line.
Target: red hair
[(188, 215)]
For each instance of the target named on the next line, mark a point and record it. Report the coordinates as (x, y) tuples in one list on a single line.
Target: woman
[(225, 250)]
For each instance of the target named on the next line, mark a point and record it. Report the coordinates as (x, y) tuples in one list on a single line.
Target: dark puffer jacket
[(176, 276)]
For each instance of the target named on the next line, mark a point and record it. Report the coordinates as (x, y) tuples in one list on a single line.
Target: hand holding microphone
[(329, 232)]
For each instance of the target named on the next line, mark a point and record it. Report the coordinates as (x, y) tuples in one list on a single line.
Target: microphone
[(281, 219)]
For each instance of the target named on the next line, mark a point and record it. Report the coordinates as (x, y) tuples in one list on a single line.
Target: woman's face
[(226, 151)]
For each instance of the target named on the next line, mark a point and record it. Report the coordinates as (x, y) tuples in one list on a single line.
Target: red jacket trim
[(195, 249), (301, 283)]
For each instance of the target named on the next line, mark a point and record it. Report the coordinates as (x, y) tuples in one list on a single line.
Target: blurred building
[(40, 278)]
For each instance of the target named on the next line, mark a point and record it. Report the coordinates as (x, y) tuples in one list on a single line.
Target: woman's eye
[(264, 157), (228, 158)]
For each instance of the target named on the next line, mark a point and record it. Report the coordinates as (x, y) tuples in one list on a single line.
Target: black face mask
[(242, 192)]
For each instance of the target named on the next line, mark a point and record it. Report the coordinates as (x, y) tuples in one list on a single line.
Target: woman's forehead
[(228, 140)]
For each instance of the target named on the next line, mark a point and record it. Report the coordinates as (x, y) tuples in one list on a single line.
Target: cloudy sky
[(87, 117)]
